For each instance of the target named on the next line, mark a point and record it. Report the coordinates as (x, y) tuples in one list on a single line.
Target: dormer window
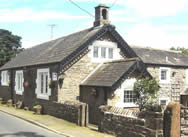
[(104, 51), (95, 52), (110, 53)]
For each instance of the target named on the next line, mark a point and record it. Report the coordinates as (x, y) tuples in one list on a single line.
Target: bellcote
[(101, 15)]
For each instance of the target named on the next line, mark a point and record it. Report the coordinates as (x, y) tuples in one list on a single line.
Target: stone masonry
[(184, 121), (147, 124), (177, 84), (73, 77)]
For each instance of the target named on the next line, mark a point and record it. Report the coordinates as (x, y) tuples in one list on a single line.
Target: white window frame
[(4, 78), (164, 98), (42, 95), (168, 72), (19, 88), (132, 92), (104, 44)]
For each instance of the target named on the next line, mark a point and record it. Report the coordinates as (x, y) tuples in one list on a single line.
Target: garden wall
[(71, 111), (146, 124)]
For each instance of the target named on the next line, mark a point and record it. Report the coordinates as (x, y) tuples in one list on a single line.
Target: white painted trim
[(92, 72), (128, 84), (164, 98), (107, 45), (2, 80), (19, 92), (168, 75), (40, 95)]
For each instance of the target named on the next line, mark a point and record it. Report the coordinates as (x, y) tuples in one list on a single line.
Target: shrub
[(146, 90)]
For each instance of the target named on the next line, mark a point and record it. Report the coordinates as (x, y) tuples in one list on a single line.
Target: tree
[(146, 90), (10, 45), (183, 50)]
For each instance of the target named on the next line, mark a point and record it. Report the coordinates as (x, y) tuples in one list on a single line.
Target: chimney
[(101, 15)]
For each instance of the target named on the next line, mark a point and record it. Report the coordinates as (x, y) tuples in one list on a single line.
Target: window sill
[(4, 84), (19, 92), (41, 96), (164, 82)]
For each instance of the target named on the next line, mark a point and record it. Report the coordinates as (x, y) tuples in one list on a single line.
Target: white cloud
[(156, 37), (177, 28), (157, 7), (27, 14), (117, 2), (120, 16), (28, 44)]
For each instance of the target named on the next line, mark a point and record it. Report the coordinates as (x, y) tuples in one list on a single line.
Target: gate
[(184, 121)]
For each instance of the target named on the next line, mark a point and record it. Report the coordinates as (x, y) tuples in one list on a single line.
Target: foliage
[(1, 99), (10, 45), (9, 101), (37, 107), (146, 89), (19, 104), (183, 50)]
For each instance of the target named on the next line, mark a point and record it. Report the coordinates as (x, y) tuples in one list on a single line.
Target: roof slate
[(109, 73), (52, 51), (161, 57)]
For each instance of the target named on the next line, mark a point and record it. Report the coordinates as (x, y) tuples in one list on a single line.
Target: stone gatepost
[(172, 120)]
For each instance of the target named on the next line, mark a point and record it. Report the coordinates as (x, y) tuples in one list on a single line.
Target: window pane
[(95, 52), (110, 53), (6, 77), (163, 102), (46, 83), (129, 96), (163, 75), (103, 52), (42, 83), (18, 75)]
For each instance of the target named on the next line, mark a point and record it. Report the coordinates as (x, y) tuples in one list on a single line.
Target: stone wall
[(71, 111), (184, 121), (147, 124), (73, 78), (177, 84)]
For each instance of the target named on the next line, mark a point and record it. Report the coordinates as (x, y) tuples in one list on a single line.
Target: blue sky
[(150, 23)]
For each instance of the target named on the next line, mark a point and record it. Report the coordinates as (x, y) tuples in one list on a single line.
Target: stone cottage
[(95, 66)]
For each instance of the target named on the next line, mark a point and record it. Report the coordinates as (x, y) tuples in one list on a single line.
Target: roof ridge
[(150, 48)]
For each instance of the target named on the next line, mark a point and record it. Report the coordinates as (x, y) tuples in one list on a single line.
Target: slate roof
[(52, 51), (161, 57), (109, 73)]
